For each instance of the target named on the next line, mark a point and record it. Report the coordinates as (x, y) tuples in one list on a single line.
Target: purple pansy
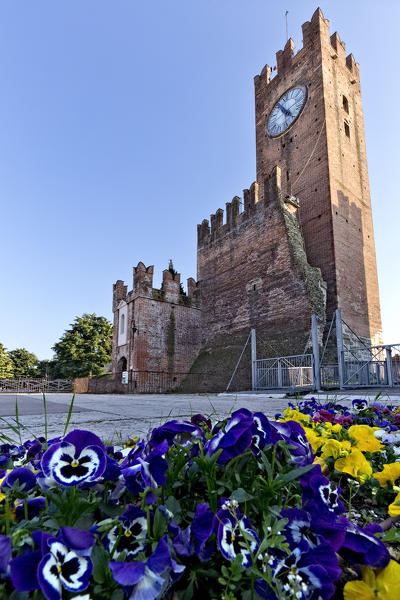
[(148, 469), (22, 476), (5, 553), (294, 435), (236, 438), (360, 546), (321, 496), (134, 530), (194, 539), (151, 579), (79, 458), (303, 573), (184, 431), (63, 568), (34, 506), (59, 562), (231, 541)]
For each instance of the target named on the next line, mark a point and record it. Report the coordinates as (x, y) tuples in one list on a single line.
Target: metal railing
[(35, 385), (372, 366), (291, 372)]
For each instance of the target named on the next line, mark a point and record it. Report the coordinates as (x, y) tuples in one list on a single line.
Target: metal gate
[(288, 372), (35, 385)]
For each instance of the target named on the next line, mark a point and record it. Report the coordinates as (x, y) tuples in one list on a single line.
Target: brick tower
[(309, 121)]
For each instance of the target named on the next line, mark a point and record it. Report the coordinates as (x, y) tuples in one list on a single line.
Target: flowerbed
[(247, 508)]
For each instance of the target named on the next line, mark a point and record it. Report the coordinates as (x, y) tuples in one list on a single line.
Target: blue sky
[(123, 124)]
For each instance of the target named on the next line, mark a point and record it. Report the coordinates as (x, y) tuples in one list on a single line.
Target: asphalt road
[(115, 418)]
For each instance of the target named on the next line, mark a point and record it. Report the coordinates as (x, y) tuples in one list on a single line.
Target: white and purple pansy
[(59, 563), (131, 539), (63, 568), (303, 573), (321, 496), (79, 458), (235, 535), (151, 579)]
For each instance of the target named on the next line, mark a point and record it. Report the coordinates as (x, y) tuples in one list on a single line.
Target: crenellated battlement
[(170, 291), (317, 28), (252, 203)]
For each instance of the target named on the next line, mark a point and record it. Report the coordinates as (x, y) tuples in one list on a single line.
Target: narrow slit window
[(122, 325), (347, 129), (345, 104)]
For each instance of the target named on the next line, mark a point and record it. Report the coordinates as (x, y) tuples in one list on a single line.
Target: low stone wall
[(81, 385), (101, 385)]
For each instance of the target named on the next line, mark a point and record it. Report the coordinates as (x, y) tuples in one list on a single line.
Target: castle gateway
[(301, 244)]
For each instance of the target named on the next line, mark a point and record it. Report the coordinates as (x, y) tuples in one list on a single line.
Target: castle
[(302, 243)]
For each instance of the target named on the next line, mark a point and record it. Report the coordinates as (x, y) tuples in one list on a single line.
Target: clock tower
[(309, 121)]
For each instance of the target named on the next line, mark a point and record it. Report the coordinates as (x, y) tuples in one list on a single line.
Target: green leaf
[(160, 524), (100, 560), (117, 595), (295, 473), (391, 535), (240, 495)]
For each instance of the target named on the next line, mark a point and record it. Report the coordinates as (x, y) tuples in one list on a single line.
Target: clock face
[(286, 110)]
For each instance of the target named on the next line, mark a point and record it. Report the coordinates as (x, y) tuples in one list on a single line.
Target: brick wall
[(325, 169)]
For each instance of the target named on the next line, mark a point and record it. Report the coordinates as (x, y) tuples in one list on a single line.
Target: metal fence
[(291, 372), (35, 385), (373, 366)]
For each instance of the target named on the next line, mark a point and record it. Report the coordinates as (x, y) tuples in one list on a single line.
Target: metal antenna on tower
[(286, 18)]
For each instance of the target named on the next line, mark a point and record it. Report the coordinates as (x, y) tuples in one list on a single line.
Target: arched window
[(122, 325)]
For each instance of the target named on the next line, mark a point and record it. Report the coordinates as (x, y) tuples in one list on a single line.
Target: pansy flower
[(131, 535), (78, 458), (382, 584), (360, 546), (236, 438), (230, 535), (389, 474), (321, 496), (63, 568), (5, 554), (60, 563), (22, 476), (303, 573), (355, 464), (365, 439), (151, 579)]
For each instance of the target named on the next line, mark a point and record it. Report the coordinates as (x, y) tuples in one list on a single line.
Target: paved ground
[(117, 417)]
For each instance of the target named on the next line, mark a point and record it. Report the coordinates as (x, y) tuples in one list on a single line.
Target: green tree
[(24, 363), (85, 348), (48, 368), (6, 365)]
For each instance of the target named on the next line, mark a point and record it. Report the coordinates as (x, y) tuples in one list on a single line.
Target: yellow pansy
[(394, 508), (389, 474), (365, 439), (319, 460), (335, 448), (292, 414), (333, 427), (314, 439), (383, 584), (356, 465)]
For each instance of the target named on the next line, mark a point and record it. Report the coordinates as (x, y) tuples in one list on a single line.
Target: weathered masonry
[(300, 243)]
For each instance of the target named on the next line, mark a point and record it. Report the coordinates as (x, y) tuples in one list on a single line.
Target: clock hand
[(285, 111)]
